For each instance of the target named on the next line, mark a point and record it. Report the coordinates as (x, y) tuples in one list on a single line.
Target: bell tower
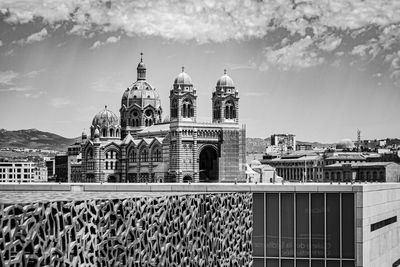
[(183, 99), (225, 101)]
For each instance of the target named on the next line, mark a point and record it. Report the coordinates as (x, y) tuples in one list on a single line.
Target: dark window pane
[(348, 225), (302, 226), (302, 263), (348, 264), (333, 263), (272, 225), (333, 225), (258, 224), (258, 262), (317, 226), (272, 263), (287, 225), (317, 263), (287, 263)]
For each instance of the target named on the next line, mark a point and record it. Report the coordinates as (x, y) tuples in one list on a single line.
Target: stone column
[(196, 175), (178, 154), (123, 164)]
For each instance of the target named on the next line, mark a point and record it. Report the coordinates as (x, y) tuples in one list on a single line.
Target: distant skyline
[(317, 69)]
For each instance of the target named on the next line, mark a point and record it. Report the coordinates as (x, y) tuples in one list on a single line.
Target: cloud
[(327, 23), (246, 66), (110, 40), (8, 53), (203, 21), (33, 94), (1, 43), (8, 77), (296, 55), (329, 43), (60, 102), (34, 37), (15, 89)]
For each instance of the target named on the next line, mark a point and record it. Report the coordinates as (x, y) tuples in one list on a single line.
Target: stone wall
[(185, 230)]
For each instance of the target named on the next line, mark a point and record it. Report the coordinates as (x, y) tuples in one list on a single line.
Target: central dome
[(138, 92), (183, 78), (105, 118)]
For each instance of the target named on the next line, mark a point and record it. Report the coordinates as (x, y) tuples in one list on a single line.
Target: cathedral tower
[(225, 101), (140, 104), (183, 98)]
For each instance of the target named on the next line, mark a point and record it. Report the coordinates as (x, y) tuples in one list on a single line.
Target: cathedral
[(140, 147)]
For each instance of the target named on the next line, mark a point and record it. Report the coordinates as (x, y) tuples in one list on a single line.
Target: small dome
[(141, 64), (183, 78), (225, 81), (84, 134), (105, 118)]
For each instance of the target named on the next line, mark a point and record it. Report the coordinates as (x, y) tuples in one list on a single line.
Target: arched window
[(89, 153), (104, 132), (174, 108), (187, 108), (135, 115), (230, 112), (217, 110), (156, 157), (144, 155), (117, 133), (132, 156), (112, 132)]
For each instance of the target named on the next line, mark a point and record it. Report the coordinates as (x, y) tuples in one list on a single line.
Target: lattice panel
[(185, 230)]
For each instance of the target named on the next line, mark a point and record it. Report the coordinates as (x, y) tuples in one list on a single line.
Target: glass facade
[(303, 229)]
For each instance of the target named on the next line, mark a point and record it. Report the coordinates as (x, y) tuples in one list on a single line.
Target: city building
[(298, 166), (51, 167), (75, 172), (363, 172), (303, 147), (140, 147), (74, 166), (22, 172), (40, 174), (284, 141), (61, 168)]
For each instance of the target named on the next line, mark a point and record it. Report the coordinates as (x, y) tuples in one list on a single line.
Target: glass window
[(258, 224), (333, 263), (287, 263), (348, 264), (348, 221), (317, 263), (287, 227), (302, 225), (317, 226), (333, 225), (257, 262), (302, 263), (272, 263), (272, 225)]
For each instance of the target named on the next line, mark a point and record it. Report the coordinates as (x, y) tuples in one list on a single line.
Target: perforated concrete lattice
[(184, 230)]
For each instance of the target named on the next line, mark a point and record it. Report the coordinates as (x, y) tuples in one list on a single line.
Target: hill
[(34, 139)]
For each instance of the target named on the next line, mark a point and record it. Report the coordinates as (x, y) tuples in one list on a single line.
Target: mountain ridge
[(37, 139)]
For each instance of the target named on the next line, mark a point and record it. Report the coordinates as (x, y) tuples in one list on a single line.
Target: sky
[(318, 69)]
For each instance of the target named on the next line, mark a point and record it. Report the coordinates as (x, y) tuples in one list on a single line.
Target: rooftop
[(11, 193)]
